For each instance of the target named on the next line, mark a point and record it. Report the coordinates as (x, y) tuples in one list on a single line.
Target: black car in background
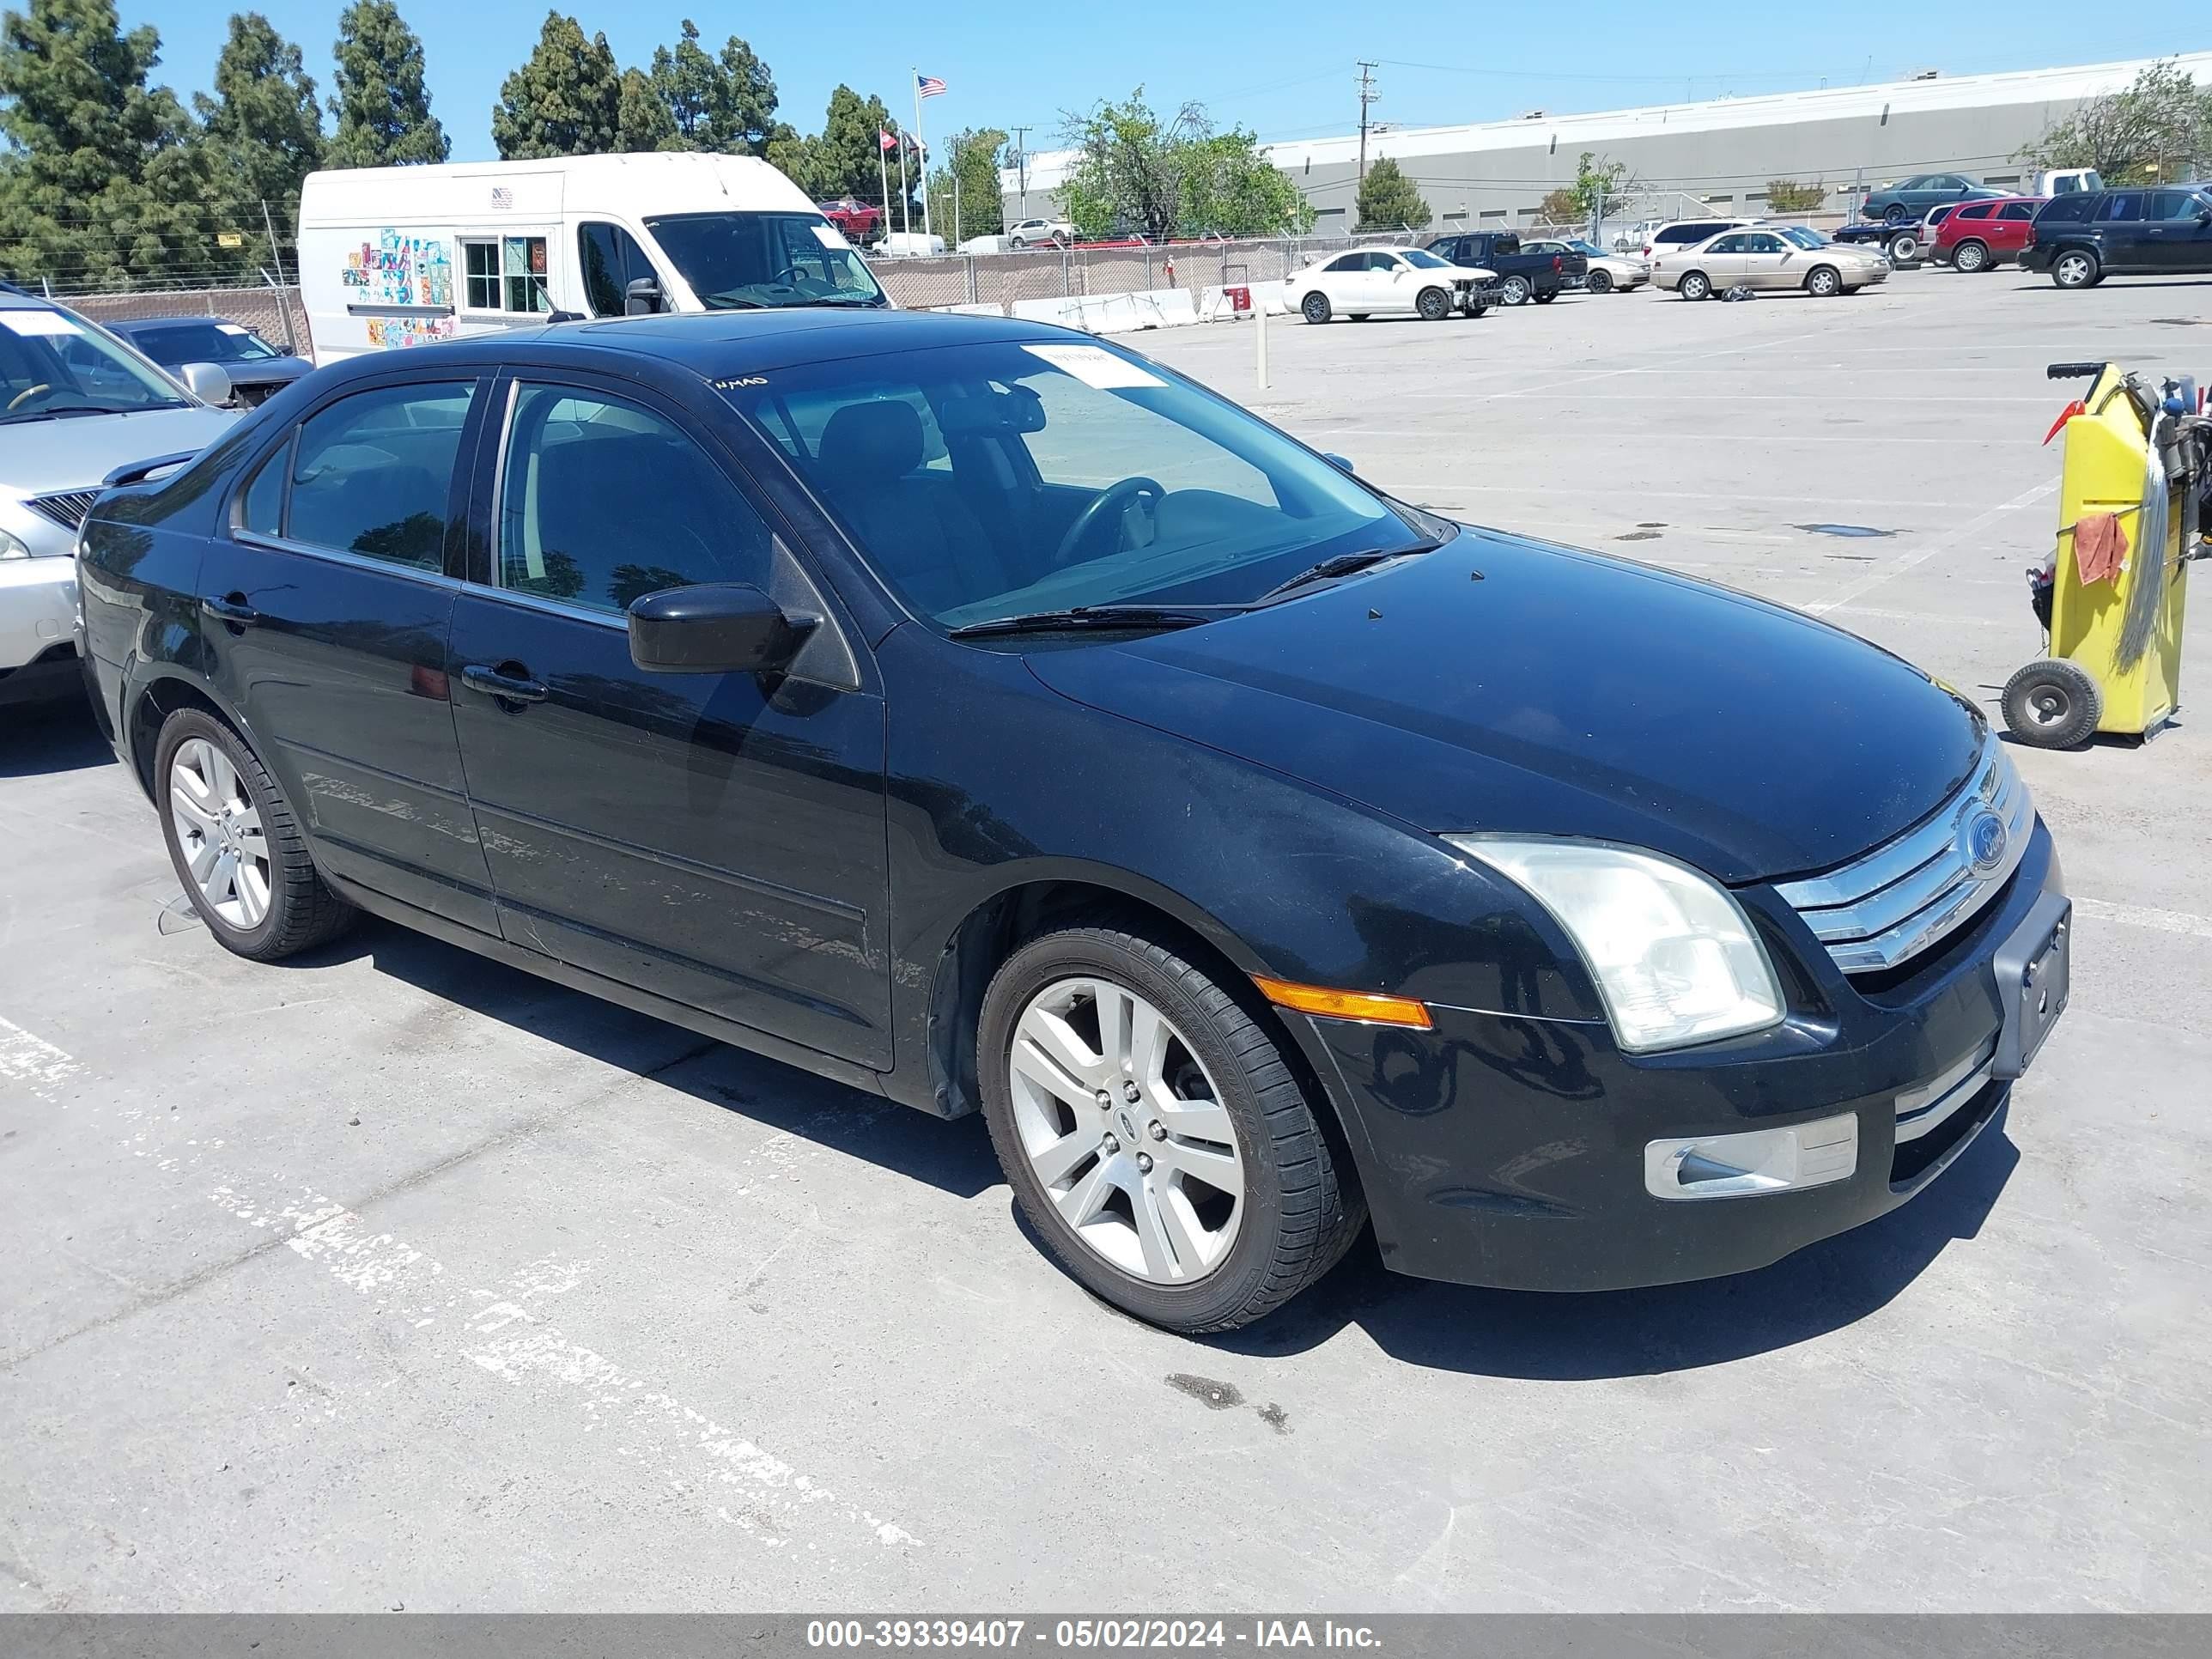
[(2140, 231), (1522, 276), (978, 713), (258, 370)]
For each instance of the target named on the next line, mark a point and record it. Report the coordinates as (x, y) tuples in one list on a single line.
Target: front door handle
[(230, 608), (510, 688)]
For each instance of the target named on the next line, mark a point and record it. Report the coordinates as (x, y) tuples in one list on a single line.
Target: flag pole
[(922, 142), (905, 194), (884, 180)]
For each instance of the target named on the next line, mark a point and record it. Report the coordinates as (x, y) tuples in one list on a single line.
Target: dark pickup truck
[(1521, 277)]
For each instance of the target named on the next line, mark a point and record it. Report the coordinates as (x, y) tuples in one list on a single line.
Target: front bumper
[(38, 609), (1520, 1153)]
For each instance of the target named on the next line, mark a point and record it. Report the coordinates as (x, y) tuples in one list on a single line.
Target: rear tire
[(1514, 291), (1694, 285), (2052, 704), (1296, 1210), (1600, 281), (1315, 306), (1434, 304), (1903, 250), (1970, 256), (235, 845), (1545, 296), (1895, 214), (2075, 268)]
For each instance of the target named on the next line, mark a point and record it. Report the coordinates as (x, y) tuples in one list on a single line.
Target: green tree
[(846, 151), (725, 102), (2159, 127), (793, 154), (566, 100), (1388, 200), (972, 157), (641, 120), (262, 130), (1598, 185), (1789, 196), (1230, 189), (382, 109), (101, 180)]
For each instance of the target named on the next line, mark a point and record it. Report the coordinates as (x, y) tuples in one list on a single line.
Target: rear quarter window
[(2066, 210)]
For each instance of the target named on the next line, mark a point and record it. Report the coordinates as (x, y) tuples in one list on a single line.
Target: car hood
[(38, 457), (1511, 686), (259, 371)]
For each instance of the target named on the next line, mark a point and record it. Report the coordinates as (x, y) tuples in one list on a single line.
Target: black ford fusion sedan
[(990, 719)]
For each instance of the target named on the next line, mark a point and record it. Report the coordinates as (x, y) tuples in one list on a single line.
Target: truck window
[(611, 261), (736, 261), (506, 273)]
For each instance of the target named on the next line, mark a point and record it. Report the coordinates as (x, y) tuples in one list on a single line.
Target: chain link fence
[(1002, 279)]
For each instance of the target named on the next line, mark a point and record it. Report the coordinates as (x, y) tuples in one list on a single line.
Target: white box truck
[(402, 255)]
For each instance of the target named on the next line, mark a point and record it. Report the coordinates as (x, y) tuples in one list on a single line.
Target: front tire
[(1970, 256), (1154, 1133), (1600, 281), (1695, 285), (1515, 291), (1433, 304), (235, 845), (2075, 268), (1822, 283), (1315, 306), (2053, 704)]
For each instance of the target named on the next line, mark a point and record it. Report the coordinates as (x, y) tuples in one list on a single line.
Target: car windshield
[(1422, 258), (192, 341), (53, 366), (738, 261), (1002, 477), (1803, 237)]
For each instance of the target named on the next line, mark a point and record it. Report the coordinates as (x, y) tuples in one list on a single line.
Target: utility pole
[(1367, 96), (1022, 170)]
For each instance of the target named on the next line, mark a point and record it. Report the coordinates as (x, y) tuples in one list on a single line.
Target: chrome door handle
[(230, 608), (510, 688)]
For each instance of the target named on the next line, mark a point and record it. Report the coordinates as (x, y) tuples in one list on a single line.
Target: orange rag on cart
[(2099, 544)]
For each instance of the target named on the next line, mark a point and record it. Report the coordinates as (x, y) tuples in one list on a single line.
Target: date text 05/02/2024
[(1113, 1634)]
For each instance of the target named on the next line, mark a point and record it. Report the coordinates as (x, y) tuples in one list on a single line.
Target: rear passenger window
[(1977, 210), (602, 502), (2017, 210), (2122, 204), (2068, 210), (373, 473)]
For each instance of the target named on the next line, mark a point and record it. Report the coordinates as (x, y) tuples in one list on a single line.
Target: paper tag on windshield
[(233, 328), (1095, 366), (36, 322), (830, 236)]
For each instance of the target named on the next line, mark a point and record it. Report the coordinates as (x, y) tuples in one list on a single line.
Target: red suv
[(1983, 235)]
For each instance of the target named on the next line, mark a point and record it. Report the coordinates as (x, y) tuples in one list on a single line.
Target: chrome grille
[(65, 507), (1906, 895)]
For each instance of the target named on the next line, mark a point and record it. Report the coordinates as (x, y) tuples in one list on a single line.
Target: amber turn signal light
[(1344, 1005)]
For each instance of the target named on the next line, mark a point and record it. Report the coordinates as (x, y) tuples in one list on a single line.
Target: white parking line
[(33, 1061), (1889, 569), (2137, 915)]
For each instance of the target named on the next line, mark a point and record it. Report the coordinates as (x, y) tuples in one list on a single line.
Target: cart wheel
[(2053, 704)]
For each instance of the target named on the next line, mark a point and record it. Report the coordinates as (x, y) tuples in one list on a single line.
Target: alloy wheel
[(1125, 1131), (219, 828)]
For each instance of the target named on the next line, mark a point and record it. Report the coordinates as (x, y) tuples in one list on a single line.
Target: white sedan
[(1371, 282)]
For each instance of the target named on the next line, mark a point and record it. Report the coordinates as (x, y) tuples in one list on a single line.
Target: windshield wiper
[(1342, 564), (1097, 616)]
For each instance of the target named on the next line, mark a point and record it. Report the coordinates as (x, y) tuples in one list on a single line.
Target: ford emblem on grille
[(1982, 841)]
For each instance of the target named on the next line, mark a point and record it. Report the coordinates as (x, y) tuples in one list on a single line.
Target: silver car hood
[(76, 452)]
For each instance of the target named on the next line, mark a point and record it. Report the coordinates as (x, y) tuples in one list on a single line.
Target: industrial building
[(1722, 152)]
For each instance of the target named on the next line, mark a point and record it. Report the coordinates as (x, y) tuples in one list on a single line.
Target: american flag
[(927, 86)]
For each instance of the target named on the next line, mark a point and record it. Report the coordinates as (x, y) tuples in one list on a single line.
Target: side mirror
[(714, 628), (1342, 462), (642, 297), (209, 382)]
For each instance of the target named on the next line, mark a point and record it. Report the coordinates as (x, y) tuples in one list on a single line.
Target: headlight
[(1673, 954), (12, 548)]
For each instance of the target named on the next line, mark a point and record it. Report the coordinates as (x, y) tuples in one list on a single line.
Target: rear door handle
[(513, 687), (231, 608)]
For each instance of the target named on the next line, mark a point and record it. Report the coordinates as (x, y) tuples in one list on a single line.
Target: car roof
[(124, 325), (714, 345)]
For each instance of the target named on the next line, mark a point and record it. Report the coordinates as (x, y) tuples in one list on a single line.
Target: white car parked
[(77, 409), (1030, 232), (1370, 281)]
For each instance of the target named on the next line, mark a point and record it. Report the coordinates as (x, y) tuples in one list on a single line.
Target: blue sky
[(1287, 76)]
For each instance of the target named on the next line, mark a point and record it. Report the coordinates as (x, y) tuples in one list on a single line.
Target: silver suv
[(76, 406)]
